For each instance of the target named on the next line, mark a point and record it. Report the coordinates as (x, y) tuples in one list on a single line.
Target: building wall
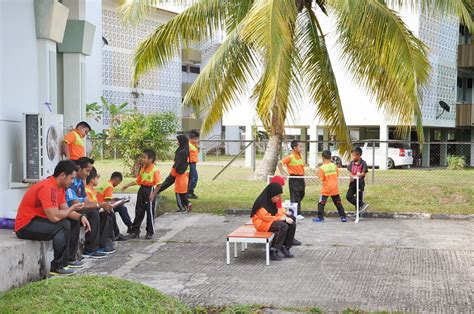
[(159, 90)]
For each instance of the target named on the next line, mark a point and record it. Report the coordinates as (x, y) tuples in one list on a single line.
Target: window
[(195, 70), (184, 68)]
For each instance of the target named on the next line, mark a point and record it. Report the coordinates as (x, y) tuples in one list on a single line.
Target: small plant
[(456, 162)]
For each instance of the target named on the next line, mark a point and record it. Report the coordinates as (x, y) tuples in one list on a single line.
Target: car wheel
[(390, 163), (337, 160)]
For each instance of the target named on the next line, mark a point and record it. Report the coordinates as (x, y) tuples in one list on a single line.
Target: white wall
[(19, 91), (93, 14)]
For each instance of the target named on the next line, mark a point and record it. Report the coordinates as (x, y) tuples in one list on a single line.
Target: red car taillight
[(402, 152)]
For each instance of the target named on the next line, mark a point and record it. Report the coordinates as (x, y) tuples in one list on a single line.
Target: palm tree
[(278, 47)]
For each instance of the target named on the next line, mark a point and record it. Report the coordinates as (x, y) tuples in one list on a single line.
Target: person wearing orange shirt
[(105, 194), (193, 159), (74, 146), (295, 167), (329, 175), (44, 215), (148, 179), (267, 217)]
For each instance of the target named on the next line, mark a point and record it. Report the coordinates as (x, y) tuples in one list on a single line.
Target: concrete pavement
[(378, 264)]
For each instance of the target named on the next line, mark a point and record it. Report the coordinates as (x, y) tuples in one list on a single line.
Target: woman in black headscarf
[(180, 174), (267, 217)]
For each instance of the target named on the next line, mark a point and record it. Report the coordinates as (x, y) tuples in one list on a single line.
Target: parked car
[(398, 155)]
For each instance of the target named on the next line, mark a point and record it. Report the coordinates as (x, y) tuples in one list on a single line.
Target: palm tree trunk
[(270, 159)]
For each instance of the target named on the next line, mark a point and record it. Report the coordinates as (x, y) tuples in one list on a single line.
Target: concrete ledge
[(246, 211), (22, 261)]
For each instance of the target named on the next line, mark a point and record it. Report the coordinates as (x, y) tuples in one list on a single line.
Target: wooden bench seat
[(248, 234)]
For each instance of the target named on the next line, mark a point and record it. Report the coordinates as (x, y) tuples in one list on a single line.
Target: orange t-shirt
[(149, 176), (44, 194), (262, 220), (329, 175), (294, 163), (91, 193), (105, 192), (193, 153), (76, 145)]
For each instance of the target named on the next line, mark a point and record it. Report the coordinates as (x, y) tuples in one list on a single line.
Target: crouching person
[(97, 244), (267, 217), (44, 215)]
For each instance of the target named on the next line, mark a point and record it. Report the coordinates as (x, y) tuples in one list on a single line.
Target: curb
[(425, 216)]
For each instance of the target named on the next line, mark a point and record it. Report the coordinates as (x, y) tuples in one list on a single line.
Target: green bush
[(88, 294), (456, 162), (137, 132)]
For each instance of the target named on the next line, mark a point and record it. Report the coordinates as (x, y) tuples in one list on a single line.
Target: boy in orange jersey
[(329, 175), (148, 179), (73, 146), (295, 166), (193, 159)]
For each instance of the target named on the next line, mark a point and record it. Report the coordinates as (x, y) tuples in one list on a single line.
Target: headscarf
[(280, 181), (182, 153), (265, 199)]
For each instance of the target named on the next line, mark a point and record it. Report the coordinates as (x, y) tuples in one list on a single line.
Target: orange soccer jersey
[(329, 175), (294, 163), (76, 145), (263, 220)]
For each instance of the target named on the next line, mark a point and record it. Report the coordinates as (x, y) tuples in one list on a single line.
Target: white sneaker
[(363, 208), (300, 217)]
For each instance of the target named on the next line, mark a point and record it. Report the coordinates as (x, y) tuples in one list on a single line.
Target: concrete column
[(326, 138), (443, 148), (304, 138), (313, 147), (249, 152), (426, 148), (232, 132), (472, 147), (47, 76), (74, 91), (383, 156)]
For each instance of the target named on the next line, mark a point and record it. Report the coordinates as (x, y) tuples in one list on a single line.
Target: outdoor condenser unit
[(41, 145)]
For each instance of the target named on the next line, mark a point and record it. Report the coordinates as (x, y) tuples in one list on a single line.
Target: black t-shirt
[(360, 167)]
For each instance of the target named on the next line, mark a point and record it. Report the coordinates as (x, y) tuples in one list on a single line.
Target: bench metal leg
[(267, 247), (246, 245), (243, 247), (235, 249), (228, 251)]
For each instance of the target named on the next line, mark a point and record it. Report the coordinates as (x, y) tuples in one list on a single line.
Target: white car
[(398, 155)]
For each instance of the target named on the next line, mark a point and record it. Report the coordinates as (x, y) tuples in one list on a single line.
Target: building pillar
[(426, 148), (250, 151), (313, 146), (383, 158), (326, 139), (232, 133), (443, 148), (472, 147), (304, 139)]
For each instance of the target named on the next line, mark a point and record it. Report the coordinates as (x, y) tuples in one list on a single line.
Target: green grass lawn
[(403, 190), (88, 294)]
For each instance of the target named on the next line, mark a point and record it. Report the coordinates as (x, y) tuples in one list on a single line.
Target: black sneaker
[(286, 252), (193, 196), (75, 264), (121, 237), (94, 255), (149, 236), (129, 230), (274, 255), (133, 235), (65, 271), (107, 250), (296, 242)]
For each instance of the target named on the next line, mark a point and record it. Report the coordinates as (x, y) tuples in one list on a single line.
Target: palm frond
[(384, 57), (460, 8), (320, 79), (223, 80), (270, 28), (134, 11), (197, 23)]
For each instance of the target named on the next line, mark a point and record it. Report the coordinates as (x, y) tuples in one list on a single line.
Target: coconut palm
[(278, 49)]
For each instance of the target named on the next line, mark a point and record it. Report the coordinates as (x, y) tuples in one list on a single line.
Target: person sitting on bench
[(267, 217)]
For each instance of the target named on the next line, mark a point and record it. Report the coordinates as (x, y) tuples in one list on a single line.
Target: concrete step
[(22, 261)]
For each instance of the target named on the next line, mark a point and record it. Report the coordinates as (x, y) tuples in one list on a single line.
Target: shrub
[(137, 132), (456, 162)]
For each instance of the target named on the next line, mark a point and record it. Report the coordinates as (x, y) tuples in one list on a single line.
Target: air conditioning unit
[(42, 136)]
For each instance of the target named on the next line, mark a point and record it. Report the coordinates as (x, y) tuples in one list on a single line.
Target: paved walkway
[(380, 264)]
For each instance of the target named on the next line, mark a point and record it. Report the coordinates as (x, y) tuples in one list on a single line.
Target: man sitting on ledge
[(43, 215)]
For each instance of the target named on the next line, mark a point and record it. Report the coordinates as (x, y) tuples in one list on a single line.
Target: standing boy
[(193, 159), (73, 146), (105, 194), (295, 166), (357, 168), (148, 179), (329, 175)]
